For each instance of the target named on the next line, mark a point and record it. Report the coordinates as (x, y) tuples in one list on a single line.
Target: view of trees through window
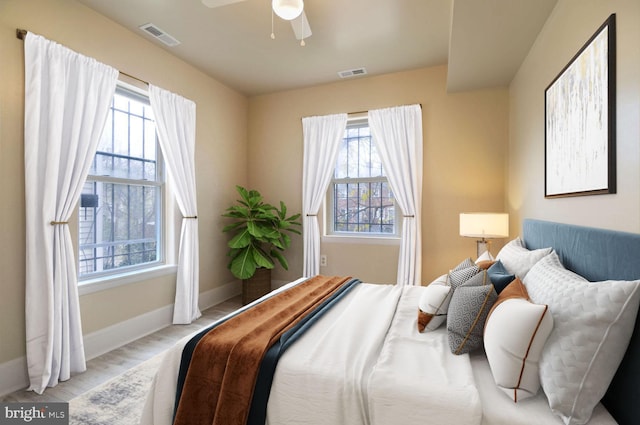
[(119, 215), (362, 201)]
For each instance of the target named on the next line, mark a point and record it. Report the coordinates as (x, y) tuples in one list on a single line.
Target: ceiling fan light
[(287, 9)]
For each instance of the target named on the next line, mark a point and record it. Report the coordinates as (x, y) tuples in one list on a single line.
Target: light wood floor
[(116, 362)]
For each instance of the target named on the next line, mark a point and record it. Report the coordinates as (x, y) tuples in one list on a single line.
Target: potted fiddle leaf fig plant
[(260, 236)]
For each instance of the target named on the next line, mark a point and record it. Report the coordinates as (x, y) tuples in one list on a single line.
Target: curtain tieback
[(57, 223), (194, 217), (312, 215), (409, 216)]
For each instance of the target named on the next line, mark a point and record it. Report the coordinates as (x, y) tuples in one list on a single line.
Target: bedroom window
[(120, 221), (359, 200)]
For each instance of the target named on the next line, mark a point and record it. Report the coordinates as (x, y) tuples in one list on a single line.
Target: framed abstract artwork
[(580, 121)]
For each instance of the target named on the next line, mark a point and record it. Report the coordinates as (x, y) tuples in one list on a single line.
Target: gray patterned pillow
[(468, 310), (465, 264), (459, 276), (479, 279)]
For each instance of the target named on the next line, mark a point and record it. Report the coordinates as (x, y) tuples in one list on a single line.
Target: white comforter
[(364, 362)]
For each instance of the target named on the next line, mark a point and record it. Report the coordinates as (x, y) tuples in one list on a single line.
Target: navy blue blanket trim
[(258, 411), (187, 354)]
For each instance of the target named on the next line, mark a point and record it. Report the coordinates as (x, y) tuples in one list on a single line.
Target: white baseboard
[(217, 295), (13, 374), (275, 284), (107, 339)]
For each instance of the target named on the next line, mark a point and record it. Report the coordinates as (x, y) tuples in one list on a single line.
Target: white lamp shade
[(484, 225), (287, 9)]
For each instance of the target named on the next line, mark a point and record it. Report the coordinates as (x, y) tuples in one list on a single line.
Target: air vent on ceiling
[(352, 72), (154, 31)]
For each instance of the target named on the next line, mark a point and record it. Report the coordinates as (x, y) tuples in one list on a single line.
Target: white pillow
[(514, 337), (485, 256), (434, 303), (517, 259), (592, 325)]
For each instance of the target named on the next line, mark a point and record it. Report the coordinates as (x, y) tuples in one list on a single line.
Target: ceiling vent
[(352, 72), (154, 31)]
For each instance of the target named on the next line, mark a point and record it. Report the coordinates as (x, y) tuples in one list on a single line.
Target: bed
[(364, 361)]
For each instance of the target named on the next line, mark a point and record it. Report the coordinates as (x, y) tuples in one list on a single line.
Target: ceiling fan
[(289, 10)]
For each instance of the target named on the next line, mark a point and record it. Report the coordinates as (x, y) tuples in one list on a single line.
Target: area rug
[(118, 401)]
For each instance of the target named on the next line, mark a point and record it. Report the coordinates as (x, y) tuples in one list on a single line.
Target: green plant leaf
[(240, 240), (243, 265), (262, 259), (293, 219), (286, 240), (236, 211), (233, 226), (278, 255)]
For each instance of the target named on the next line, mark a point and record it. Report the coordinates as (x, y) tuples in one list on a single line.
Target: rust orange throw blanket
[(219, 385)]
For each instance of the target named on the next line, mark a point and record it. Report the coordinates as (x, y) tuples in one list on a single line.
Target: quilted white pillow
[(517, 259), (434, 303), (592, 325), (514, 337)]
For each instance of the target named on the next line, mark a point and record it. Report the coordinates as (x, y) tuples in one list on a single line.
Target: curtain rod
[(365, 112), (21, 34)]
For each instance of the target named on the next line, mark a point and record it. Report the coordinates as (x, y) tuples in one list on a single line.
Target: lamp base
[(483, 246)]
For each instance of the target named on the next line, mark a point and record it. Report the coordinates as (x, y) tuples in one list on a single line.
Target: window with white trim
[(120, 211), (359, 200)]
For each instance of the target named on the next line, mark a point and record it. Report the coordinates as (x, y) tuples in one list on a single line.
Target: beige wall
[(570, 25), (220, 156), (465, 138)]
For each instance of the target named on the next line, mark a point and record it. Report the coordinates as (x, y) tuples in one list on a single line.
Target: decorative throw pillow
[(514, 336), (484, 265), (468, 310), (464, 264), (517, 259), (515, 289), (499, 276), (478, 279), (463, 272), (592, 325), (485, 256), (434, 303)]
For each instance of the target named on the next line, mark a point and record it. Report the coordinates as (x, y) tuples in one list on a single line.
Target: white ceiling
[(482, 41)]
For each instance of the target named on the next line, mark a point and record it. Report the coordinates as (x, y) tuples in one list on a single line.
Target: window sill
[(102, 283), (362, 240)]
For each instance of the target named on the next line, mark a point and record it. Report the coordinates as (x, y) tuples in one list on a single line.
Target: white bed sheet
[(322, 378), (416, 379)]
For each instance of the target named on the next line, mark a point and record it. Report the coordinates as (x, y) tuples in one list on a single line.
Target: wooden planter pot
[(256, 286)]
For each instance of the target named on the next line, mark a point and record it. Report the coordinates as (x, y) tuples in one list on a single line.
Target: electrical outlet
[(323, 260)]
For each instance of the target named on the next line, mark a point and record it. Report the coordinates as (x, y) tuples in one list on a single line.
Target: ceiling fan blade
[(300, 26), (218, 3)]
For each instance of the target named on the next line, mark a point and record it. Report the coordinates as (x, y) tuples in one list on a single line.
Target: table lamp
[(484, 226)]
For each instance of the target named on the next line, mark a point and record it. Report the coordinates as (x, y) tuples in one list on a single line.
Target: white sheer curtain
[(67, 98), (322, 137), (176, 123), (397, 134)]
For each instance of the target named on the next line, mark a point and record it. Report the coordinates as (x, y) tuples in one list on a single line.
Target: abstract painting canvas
[(580, 121)]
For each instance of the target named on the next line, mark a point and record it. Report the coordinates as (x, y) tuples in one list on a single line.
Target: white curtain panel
[(176, 123), (67, 98), (322, 137), (397, 134)]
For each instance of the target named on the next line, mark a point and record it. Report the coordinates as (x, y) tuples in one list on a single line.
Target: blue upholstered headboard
[(599, 254)]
